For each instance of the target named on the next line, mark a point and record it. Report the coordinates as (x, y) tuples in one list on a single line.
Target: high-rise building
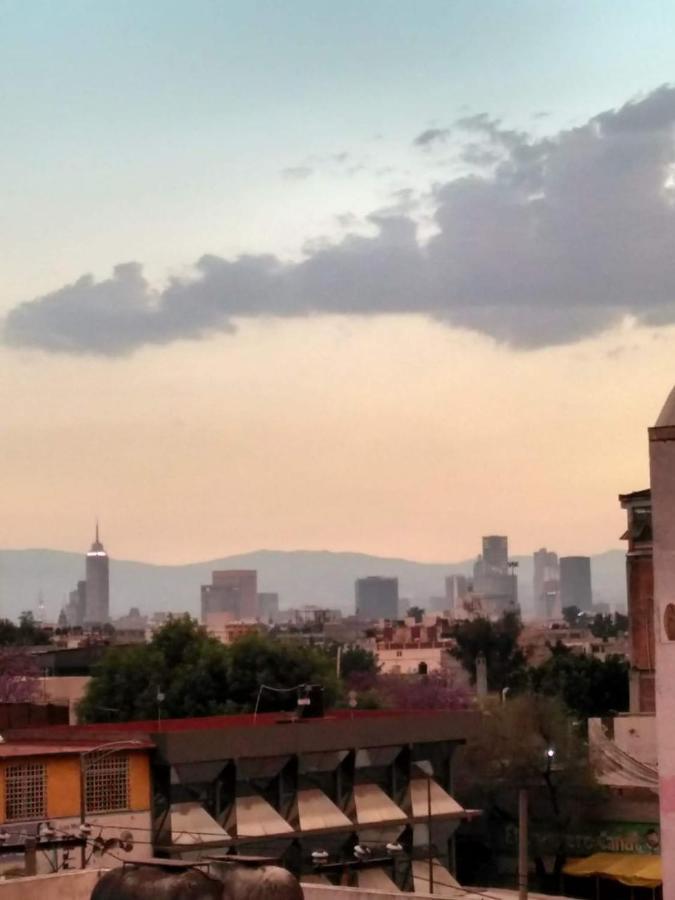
[(496, 553), (268, 606), (97, 605), (232, 591), (76, 609), (546, 584), (575, 582), (376, 597), (456, 591), (493, 579)]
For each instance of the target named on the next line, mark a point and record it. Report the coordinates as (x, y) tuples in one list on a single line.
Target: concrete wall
[(64, 689), (76, 885)]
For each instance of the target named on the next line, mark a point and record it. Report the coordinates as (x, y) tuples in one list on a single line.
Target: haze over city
[(314, 276)]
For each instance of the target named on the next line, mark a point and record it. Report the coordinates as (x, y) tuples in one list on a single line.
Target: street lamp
[(107, 750)]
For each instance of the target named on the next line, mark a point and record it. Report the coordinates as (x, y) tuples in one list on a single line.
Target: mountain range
[(300, 577)]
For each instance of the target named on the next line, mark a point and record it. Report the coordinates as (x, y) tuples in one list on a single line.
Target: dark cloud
[(559, 240), (431, 136)]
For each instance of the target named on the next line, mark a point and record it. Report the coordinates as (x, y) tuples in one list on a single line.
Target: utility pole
[(431, 858), (523, 863)]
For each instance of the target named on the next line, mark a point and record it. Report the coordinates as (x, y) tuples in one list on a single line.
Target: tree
[(498, 643), (416, 613), (431, 691), (357, 660), (571, 615), (606, 626), (19, 676), (528, 743), (256, 660), (26, 634), (196, 675), (181, 662), (589, 686)]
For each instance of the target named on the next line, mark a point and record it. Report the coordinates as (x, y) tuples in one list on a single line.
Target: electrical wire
[(436, 881)]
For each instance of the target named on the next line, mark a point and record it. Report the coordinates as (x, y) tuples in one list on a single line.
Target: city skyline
[(331, 271)]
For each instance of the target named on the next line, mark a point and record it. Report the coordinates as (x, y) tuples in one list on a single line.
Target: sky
[(372, 276)]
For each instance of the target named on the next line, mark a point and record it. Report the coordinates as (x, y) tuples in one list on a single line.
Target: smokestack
[(662, 467)]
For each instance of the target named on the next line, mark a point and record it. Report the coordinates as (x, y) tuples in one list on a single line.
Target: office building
[(76, 609), (232, 591), (546, 584), (575, 582), (268, 606), (377, 597), (493, 579), (97, 588), (496, 552), (456, 592)]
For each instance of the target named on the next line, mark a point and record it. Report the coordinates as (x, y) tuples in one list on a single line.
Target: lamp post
[(523, 817), (106, 750)]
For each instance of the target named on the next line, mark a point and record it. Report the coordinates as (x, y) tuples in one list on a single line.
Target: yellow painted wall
[(139, 781), (63, 784)]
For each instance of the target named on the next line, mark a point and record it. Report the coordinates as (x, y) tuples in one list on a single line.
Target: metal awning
[(633, 869), (191, 824), (255, 817), (442, 804), (317, 811), (373, 807)]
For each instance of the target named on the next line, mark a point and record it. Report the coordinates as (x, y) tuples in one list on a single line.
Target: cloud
[(431, 136), (297, 173), (560, 239)]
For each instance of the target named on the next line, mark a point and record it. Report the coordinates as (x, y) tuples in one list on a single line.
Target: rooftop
[(17, 749), (243, 720), (269, 734)]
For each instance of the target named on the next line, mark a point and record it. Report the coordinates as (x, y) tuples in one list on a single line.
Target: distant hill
[(301, 576)]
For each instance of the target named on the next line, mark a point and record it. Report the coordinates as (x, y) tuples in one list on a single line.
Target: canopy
[(633, 869)]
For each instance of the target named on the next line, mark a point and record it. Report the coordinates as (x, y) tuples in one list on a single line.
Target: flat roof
[(246, 720), (16, 749), (269, 734)]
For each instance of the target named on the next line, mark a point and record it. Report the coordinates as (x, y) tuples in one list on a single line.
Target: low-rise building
[(75, 802), (351, 786)]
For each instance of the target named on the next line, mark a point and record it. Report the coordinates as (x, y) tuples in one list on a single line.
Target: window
[(25, 792), (106, 783)]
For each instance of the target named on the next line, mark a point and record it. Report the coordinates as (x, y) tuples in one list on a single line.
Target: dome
[(667, 417)]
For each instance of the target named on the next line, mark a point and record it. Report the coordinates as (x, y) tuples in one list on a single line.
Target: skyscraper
[(97, 591), (376, 597), (232, 591), (546, 584), (492, 578), (456, 590), (496, 553), (575, 582)]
